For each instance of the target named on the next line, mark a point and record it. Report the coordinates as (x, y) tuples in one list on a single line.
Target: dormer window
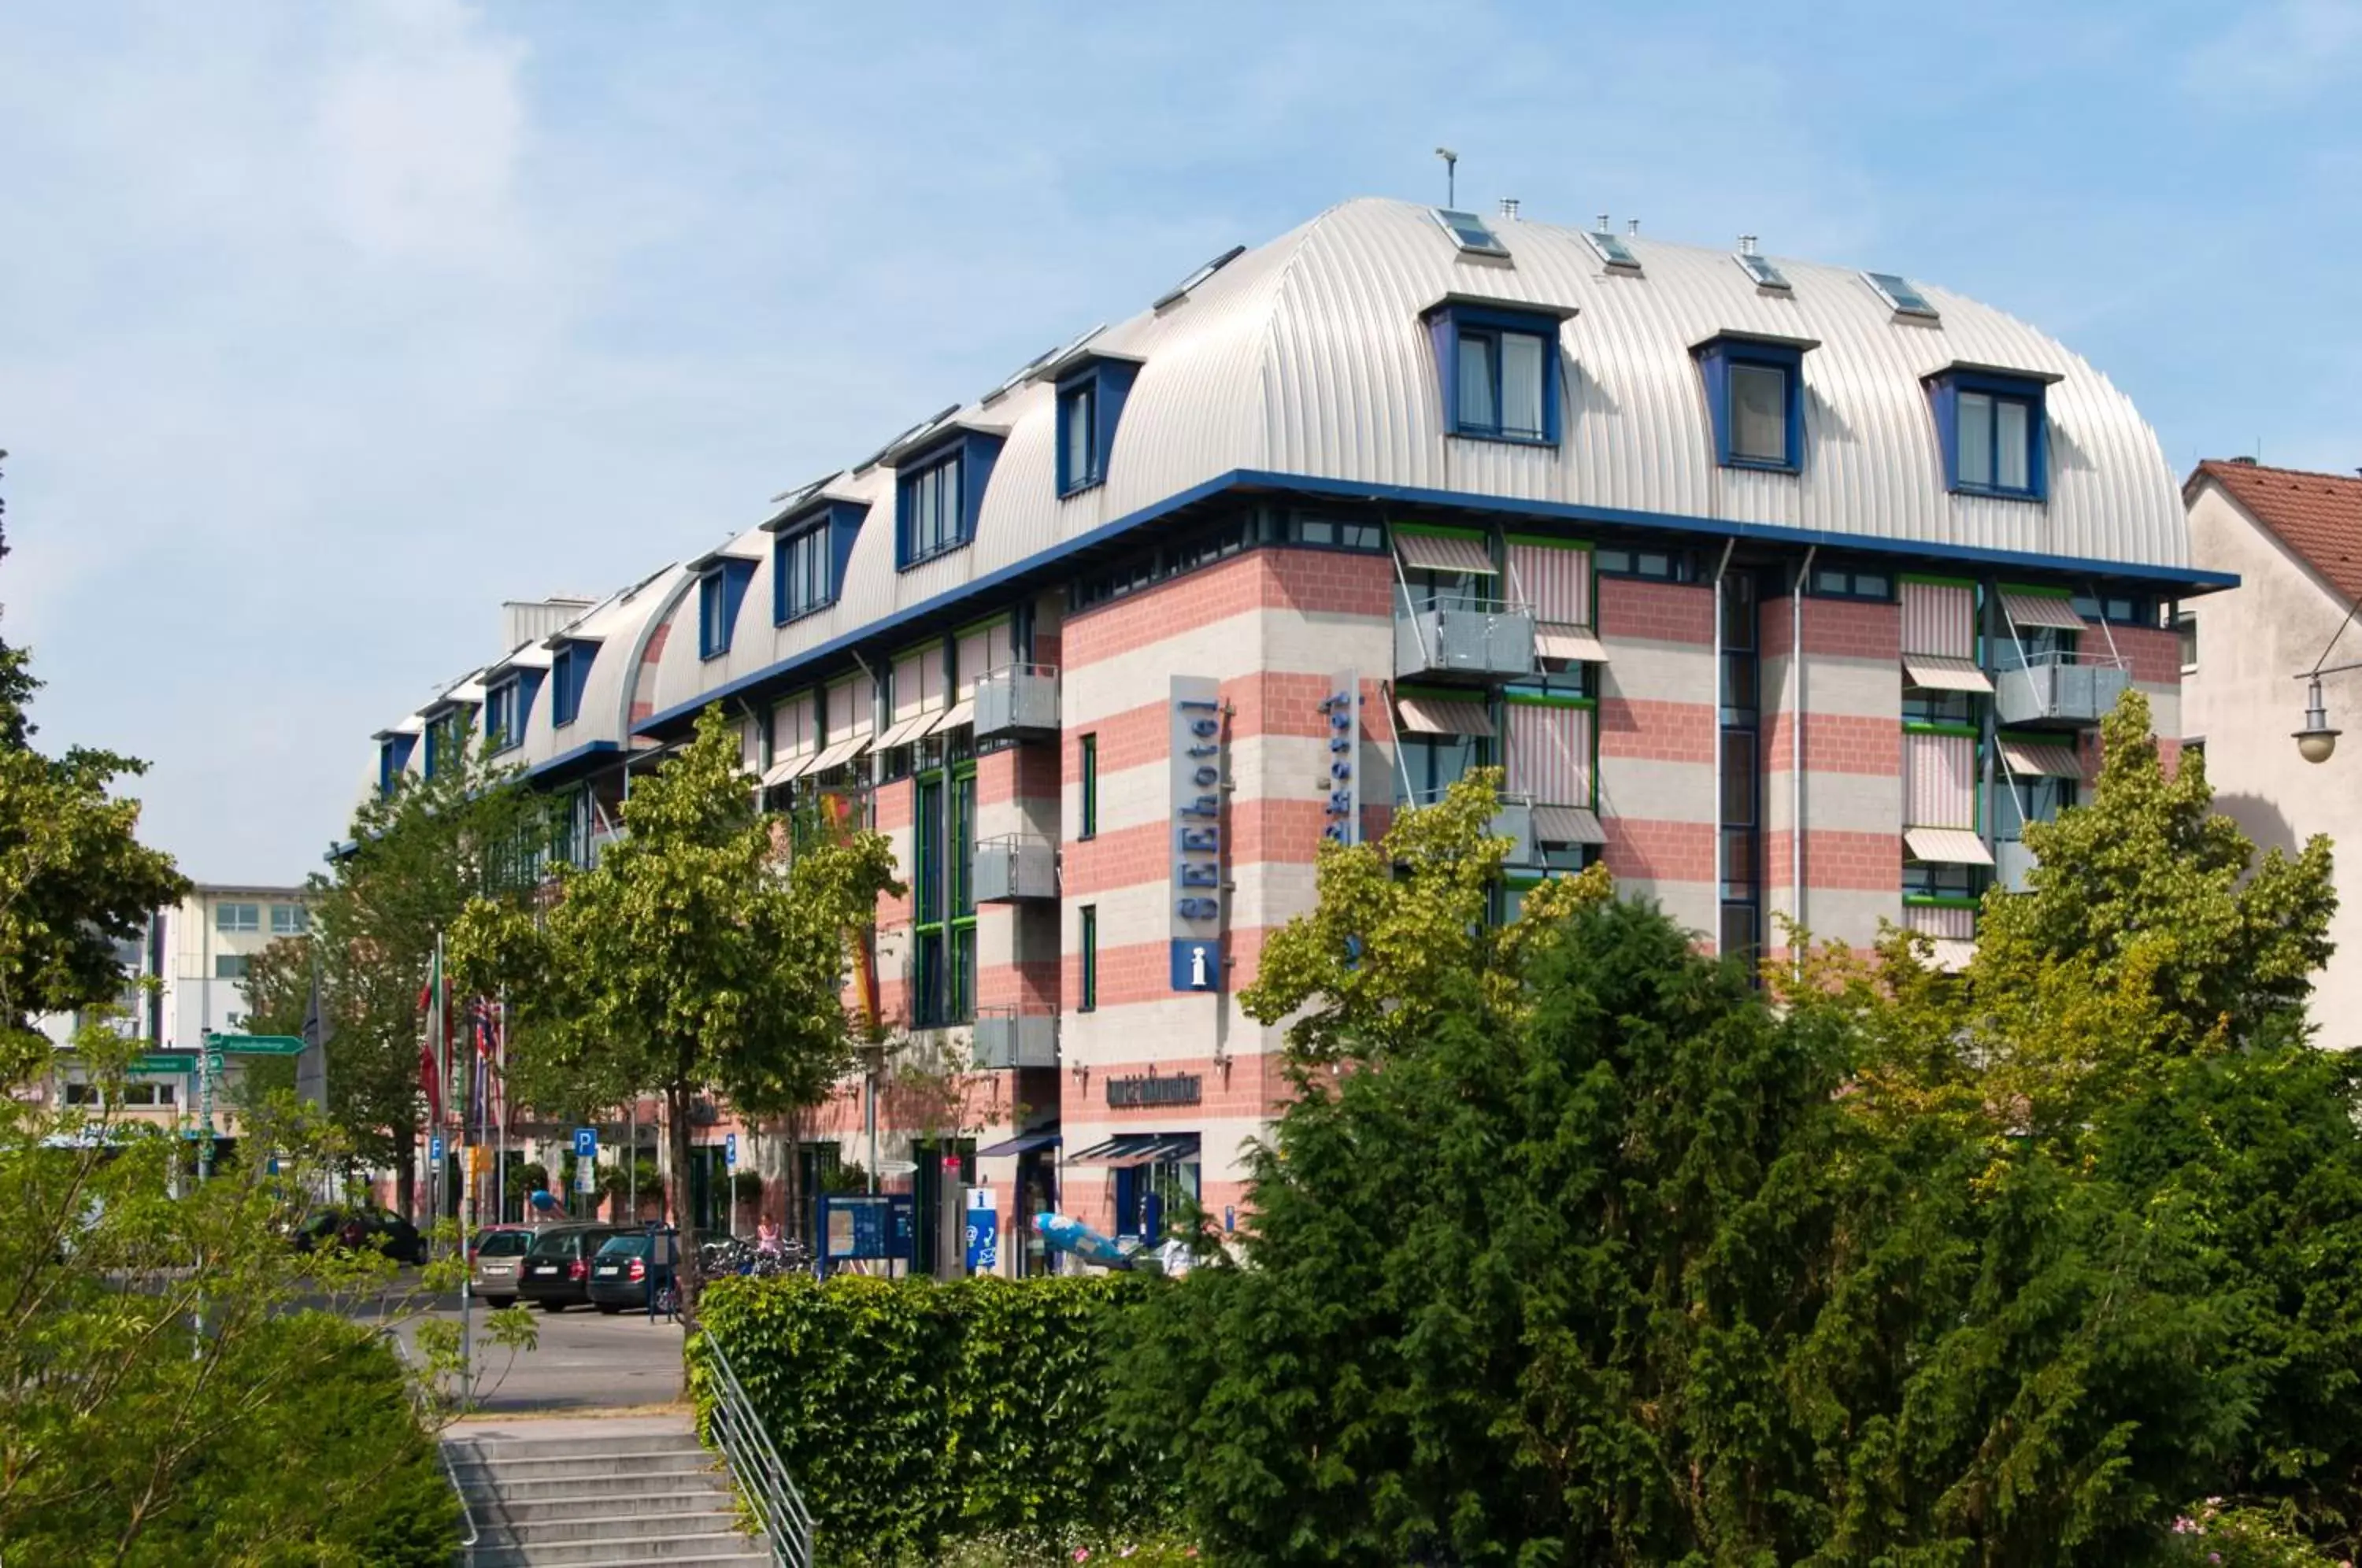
[(1499, 368), (393, 760), (938, 494), (1993, 428), (808, 560), (1090, 401), (721, 589), (508, 706), (569, 672), (1755, 394)]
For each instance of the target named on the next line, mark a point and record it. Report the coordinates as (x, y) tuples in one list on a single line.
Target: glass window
[(1921, 880), (1740, 938), (1077, 437), (82, 1094), (237, 917), (230, 965), (1088, 788), (1089, 1000), (2038, 801), (932, 504), (1521, 384), (289, 920), (1432, 763), (2010, 445), (1926, 705), (147, 1093), (804, 567), (1976, 438), (1477, 410), (2185, 630), (1759, 414)]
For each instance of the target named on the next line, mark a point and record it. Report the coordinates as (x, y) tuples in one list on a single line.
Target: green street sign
[(165, 1061), (257, 1044)]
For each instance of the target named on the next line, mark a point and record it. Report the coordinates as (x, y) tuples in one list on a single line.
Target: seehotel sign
[(1196, 826)]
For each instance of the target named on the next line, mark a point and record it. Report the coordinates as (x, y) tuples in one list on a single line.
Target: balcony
[(2013, 862), (1016, 868), (1007, 1038), (1512, 820), (1489, 639), (1017, 701), (2059, 688)]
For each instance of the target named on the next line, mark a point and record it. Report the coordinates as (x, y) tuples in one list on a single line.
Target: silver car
[(498, 1254)]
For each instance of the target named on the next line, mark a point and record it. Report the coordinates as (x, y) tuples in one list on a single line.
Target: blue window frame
[(1499, 370), (1755, 394), (1994, 432), (508, 707), (447, 732), (1090, 401), (808, 559), (938, 494), (721, 589), (393, 760), (569, 672)]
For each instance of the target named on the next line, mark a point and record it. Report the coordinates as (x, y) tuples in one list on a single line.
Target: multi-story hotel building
[(1787, 589)]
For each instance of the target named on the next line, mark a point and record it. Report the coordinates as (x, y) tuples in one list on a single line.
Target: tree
[(413, 860), (689, 961)]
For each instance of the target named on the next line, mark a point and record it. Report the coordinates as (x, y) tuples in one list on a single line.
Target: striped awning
[(2040, 759), (836, 756), (904, 731), (1139, 1149), (958, 713), (1569, 643), (1444, 552), (1441, 716), (1946, 846), (2025, 609), (1023, 1143), (1952, 954), (1567, 825), (789, 768), (1937, 673)]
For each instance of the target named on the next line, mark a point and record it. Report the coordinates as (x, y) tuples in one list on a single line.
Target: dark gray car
[(556, 1268)]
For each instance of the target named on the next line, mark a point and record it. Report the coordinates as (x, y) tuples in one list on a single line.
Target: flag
[(430, 1056)]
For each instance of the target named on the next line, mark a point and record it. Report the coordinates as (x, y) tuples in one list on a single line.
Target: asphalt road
[(586, 1361)]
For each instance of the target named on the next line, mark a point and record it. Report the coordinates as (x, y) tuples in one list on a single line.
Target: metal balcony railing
[(1018, 867), (1017, 701), (1008, 1037), (2059, 688), (1458, 635), (2012, 863), (1512, 820)]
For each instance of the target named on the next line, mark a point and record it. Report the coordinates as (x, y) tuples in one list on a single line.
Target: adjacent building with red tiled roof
[(2295, 540)]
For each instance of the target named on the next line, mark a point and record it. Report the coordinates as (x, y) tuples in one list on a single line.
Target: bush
[(915, 1414)]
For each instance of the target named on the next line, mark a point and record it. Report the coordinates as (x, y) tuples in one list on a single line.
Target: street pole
[(632, 1155)]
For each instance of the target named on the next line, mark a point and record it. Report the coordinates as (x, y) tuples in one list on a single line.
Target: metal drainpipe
[(1796, 750), (1714, 687)]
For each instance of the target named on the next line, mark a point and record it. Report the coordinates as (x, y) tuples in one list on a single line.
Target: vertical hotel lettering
[(1196, 806)]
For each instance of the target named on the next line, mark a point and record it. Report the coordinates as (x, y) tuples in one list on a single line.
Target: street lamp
[(2317, 739)]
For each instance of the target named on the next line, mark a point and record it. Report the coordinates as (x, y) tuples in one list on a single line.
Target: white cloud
[(2280, 56)]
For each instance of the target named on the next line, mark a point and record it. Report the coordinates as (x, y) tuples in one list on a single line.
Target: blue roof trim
[(580, 754), (1266, 479)]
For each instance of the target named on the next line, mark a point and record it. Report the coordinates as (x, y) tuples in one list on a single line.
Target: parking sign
[(435, 1148), (730, 1150), (586, 1143)]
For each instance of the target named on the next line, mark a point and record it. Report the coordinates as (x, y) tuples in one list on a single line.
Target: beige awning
[(789, 768), (1444, 552), (2025, 609), (838, 754), (1567, 825), (1946, 846), (1442, 716), (1952, 954), (2041, 760), (960, 712), (1569, 643), (904, 731), (1939, 673)]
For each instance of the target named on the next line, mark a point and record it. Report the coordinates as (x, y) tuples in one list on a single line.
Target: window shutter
[(1549, 753), (1555, 581), (1940, 780)]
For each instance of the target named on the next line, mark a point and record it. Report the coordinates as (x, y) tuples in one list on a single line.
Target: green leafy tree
[(413, 861), (690, 960)]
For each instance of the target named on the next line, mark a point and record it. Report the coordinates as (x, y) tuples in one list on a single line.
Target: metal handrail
[(2060, 658), (755, 1465), (1472, 603), (474, 1538)]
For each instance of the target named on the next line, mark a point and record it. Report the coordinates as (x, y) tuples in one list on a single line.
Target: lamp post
[(2318, 739)]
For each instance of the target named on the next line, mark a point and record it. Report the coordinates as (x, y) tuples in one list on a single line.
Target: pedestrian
[(767, 1236)]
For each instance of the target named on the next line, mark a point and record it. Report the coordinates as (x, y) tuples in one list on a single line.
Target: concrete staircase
[(583, 1492)]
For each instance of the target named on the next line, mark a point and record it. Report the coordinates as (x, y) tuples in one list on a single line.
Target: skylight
[(1897, 291), (1019, 375), (1469, 232), (1612, 250), (1759, 267), (1180, 290)]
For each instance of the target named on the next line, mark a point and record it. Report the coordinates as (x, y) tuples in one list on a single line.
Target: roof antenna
[(1605, 226), (1451, 176)]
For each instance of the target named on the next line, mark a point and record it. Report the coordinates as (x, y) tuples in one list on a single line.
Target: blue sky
[(323, 328)]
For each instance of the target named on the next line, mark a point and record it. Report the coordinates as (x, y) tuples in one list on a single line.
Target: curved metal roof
[(1307, 357)]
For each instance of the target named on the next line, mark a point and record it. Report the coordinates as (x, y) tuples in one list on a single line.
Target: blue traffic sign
[(435, 1147), (586, 1143), (730, 1150)]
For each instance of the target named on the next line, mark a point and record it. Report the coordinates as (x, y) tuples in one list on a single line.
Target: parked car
[(554, 1273), (619, 1273), (493, 1259), (363, 1226)]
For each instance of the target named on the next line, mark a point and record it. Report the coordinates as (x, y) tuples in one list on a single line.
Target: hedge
[(912, 1414)]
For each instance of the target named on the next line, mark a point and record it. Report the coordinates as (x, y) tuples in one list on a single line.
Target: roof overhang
[(811, 508), (1761, 339), (713, 558), (1076, 359), (2012, 373), (1495, 302)]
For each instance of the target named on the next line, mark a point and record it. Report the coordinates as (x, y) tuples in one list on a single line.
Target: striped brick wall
[(1657, 721), (1847, 716)]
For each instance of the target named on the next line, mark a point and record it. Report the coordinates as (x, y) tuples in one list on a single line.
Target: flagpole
[(501, 1111)]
